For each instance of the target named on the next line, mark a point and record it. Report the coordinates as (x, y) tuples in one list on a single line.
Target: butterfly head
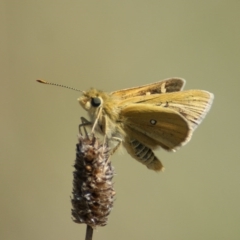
[(92, 100)]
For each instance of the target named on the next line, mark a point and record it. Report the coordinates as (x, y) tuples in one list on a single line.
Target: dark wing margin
[(167, 85)]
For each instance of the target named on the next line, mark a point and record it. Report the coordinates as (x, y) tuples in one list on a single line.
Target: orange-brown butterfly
[(147, 117)]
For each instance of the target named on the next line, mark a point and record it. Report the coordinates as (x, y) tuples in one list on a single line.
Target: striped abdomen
[(143, 154)]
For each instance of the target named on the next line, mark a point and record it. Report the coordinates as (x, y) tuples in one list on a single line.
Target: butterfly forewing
[(167, 85)]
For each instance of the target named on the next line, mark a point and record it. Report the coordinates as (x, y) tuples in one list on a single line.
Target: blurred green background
[(112, 45)]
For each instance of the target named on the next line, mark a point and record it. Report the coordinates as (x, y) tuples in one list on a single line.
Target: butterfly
[(146, 117)]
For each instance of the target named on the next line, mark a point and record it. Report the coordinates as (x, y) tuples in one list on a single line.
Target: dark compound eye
[(96, 102)]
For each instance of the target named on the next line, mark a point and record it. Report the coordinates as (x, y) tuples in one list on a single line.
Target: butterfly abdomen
[(143, 154)]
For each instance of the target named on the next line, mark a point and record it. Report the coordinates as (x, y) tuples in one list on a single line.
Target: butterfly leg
[(96, 120), (112, 151), (84, 123), (119, 142), (116, 139)]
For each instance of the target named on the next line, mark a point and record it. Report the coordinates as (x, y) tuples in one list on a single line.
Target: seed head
[(93, 193)]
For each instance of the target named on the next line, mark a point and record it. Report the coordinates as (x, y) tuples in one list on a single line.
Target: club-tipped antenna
[(58, 85)]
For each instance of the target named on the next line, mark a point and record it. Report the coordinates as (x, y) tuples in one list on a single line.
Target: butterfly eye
[(96, 102)]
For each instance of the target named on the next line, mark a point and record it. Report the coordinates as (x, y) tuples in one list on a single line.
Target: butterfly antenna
[(58, 85)]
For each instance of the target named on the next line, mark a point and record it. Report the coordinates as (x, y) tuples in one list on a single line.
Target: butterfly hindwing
[(163, 126)]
